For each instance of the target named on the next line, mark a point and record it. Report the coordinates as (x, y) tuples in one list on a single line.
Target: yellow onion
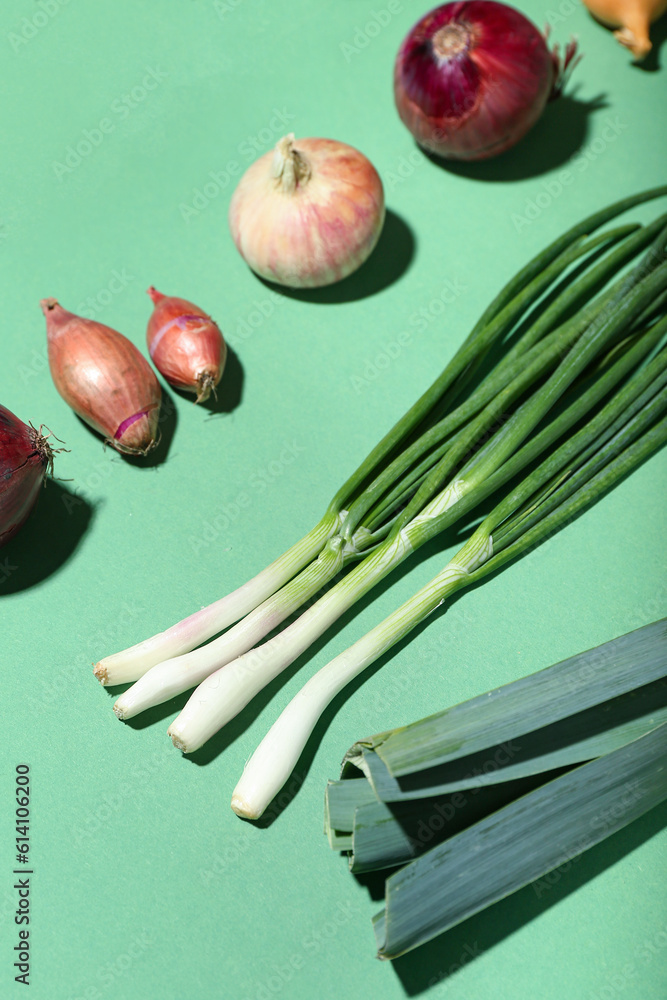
[(632, 18), (308, 213), (104, 378)]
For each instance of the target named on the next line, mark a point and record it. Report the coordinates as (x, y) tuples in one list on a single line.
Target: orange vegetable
[(632, 18)]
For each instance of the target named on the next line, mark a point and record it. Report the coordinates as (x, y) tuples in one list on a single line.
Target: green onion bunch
[(557, 393)]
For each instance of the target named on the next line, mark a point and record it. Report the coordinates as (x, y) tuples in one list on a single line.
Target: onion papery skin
[(315, 230), (482, 99), (25, 458), (104, 378), (185, 344)]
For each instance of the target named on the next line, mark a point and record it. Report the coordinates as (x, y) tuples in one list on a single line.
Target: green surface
[(145, 882)]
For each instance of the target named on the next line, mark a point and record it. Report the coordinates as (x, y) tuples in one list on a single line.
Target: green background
[(146, 884)]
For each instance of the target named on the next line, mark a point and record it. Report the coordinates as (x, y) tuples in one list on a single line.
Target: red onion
[(185, 344), (25, 458), (472, 78), (104, 378)]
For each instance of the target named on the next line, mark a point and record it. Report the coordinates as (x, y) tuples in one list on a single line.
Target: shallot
[(185, 344), (104, 378), (307, 214)]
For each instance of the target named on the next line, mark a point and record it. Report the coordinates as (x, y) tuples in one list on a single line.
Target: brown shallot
[(631, 18), (104, 378)]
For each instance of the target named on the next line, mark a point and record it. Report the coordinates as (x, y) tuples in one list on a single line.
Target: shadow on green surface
[(46, 541), (388, 262), (557, 137), (230, 390), (167, 710), (435, 962), (658, 36)]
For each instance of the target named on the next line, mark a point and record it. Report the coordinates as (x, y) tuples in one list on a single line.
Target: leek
[(576, 751)]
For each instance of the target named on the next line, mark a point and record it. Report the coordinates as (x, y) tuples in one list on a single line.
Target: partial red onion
[(104, 378), (25, 459), (471, 78), (186, 345)]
